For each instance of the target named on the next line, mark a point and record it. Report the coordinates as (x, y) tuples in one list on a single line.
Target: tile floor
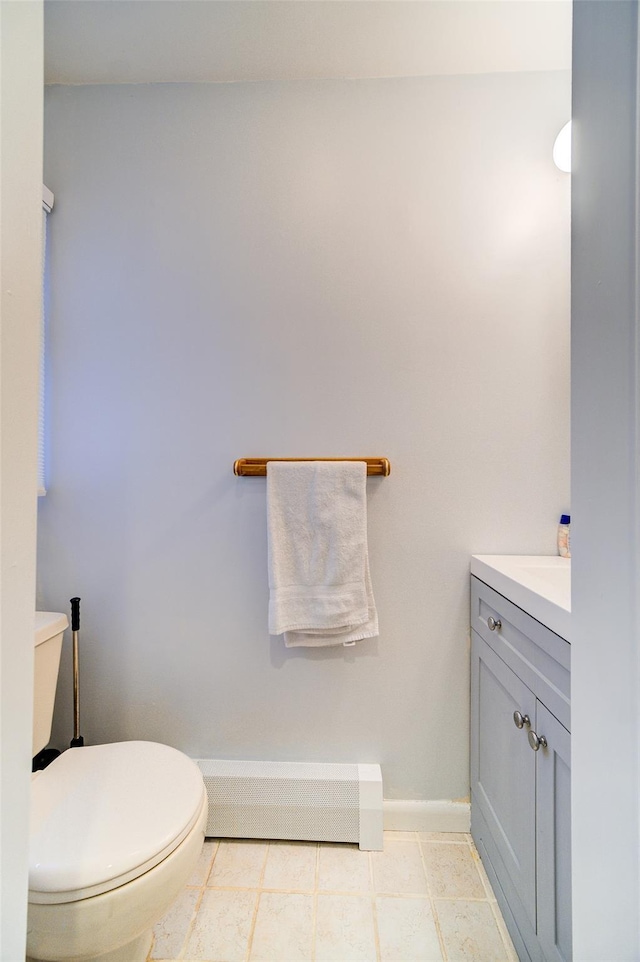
[(425, 898)]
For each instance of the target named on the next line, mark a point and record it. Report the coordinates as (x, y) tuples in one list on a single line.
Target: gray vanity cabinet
[(553, 822), (502, 771), (520, 796)]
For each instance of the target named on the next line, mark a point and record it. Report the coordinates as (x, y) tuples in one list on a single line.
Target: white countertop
[(539, 585)]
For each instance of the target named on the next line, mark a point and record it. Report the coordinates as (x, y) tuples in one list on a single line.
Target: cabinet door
[(553, 816), (503, 766)]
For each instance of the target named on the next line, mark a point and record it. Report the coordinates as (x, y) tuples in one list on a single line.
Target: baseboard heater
[(310, 801)]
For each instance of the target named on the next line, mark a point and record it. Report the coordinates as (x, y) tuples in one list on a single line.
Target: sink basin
[(538, 584)]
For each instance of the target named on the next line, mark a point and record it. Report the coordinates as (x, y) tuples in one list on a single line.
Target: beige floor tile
[(344, 929), (452, 871), (470, 932), (399, 869), (222, 927), (345, 924), (512, 955), (284, 928), (482, 872), (291, 866), (171, 931), (202, 869), (238, 864), (459, 837), (407, 931), (343, 868), (485, 881)]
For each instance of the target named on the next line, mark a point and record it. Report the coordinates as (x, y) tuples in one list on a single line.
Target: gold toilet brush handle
[(77, 741)]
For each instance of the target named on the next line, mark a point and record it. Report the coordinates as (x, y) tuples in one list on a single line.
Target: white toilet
[(116, 831)]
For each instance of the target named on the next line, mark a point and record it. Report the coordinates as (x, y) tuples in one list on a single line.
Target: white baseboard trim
[(400, 815)]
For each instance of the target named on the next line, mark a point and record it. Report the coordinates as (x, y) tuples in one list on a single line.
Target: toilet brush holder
[(77, 741)]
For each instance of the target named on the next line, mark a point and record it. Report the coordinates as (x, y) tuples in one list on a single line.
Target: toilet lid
[(105, 814)]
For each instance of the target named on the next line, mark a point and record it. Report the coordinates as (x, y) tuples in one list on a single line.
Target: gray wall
[(605, 700), (309, 268), (21, 79)]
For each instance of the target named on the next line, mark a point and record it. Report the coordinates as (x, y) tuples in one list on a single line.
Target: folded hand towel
[(320, 587)]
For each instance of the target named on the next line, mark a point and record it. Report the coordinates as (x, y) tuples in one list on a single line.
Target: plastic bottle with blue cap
[(564, 536)]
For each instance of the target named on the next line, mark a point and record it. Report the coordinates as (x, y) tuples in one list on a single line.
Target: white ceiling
[(147, 41)]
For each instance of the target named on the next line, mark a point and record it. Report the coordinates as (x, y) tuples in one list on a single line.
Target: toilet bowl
[(116, 831)]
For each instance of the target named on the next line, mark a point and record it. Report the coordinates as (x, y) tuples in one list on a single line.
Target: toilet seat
[(104, 815)]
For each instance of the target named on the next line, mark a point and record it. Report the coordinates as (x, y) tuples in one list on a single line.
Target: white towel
[(320, 587)]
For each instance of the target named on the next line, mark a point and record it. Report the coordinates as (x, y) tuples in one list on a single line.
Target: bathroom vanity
[(520, 745)]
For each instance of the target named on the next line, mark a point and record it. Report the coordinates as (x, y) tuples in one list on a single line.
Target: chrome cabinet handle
[(494, 625), (537, 741), (520, 720)]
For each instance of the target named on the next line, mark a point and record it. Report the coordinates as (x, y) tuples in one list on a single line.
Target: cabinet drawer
[(537, 655)]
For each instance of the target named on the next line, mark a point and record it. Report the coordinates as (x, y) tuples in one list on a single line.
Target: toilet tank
[(49, 630)]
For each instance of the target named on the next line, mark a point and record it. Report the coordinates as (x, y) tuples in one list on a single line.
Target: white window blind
[(47, 207)]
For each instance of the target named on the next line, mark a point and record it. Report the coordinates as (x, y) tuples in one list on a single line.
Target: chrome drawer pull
[(520, 720), (536, 741), (493, 624)]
